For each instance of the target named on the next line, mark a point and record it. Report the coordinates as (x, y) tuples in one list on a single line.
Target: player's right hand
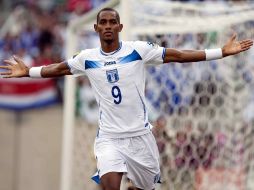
[(15, 68)]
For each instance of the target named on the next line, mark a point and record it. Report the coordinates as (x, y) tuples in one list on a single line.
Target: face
[(108, 27)]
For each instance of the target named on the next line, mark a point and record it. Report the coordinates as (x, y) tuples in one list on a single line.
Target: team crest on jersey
[(112, 75)]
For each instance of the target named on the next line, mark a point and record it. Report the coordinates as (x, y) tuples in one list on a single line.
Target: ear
[(120, 27), (95, 27)]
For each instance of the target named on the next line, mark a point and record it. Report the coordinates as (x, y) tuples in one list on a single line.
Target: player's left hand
[(15, 68), (233, 46)]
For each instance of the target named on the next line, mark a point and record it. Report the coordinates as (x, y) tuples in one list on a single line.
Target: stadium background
[(202, 113)]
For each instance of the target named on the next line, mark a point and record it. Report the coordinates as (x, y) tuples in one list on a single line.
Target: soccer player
[(116, 70)]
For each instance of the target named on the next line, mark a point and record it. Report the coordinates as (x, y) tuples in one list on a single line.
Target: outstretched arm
[(232, 47), (16, 68)]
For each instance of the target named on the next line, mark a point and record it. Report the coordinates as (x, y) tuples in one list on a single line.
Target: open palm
[(14, 68), (233, 47)]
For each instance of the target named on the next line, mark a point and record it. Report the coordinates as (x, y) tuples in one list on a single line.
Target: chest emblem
[(112, 76)]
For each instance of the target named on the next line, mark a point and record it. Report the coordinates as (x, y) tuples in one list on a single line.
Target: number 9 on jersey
[(116, 93)]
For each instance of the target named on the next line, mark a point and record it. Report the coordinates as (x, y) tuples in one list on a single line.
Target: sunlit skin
[(108, 27), (232, 47)]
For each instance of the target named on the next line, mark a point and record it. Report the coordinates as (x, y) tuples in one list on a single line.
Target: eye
[(102, 22), (113, 22)]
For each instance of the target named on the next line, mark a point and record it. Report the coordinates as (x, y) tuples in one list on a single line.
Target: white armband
[(212, 54), (35, 72)]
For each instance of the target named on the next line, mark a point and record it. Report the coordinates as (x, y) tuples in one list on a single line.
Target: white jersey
[(118, 81)]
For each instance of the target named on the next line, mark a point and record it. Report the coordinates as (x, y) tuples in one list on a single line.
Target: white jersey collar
[(113, 52)]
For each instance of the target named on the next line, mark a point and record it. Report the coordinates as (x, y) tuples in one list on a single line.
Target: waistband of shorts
[(119, 136)]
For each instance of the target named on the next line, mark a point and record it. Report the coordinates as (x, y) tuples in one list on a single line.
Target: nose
[(108, 26)]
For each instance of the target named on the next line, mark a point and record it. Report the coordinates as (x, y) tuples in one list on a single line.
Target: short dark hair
[(108, 9)]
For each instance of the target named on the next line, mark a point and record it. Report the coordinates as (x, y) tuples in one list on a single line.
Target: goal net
[(203, 112)]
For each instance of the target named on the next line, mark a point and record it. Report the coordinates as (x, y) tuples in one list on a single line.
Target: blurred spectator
[(36, 32), (78, 7), (15, 22)]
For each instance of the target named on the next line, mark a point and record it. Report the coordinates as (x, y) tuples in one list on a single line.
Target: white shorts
[(137, 157)]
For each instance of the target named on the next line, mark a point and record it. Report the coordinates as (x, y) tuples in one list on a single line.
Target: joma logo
[(109, 63)]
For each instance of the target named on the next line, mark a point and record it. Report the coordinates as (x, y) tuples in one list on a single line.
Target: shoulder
[(133, 43), (143, 47), (143, 44)]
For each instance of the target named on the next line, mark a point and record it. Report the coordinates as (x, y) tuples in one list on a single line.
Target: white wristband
[(35, 72), (212, 54)]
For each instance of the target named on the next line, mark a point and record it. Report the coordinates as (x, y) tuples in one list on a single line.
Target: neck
[(110, 46)]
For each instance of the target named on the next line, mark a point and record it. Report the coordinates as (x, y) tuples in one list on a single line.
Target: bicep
[(172, 55), (56, 70)]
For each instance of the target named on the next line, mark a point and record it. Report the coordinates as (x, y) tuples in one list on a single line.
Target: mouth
[(108, 33)]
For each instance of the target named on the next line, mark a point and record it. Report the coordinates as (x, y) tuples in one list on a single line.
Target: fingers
[(9, 62), (246, 44), (250, 42), (244, 49), (13, 61), (17, 59), (5, 67), (7, 76), (6, 73), (233, 37)]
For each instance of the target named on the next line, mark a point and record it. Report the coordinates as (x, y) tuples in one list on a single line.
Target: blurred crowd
[(35, 30)]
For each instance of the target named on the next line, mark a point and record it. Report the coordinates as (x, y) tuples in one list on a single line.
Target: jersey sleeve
[(76, 64), (151, 53)]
